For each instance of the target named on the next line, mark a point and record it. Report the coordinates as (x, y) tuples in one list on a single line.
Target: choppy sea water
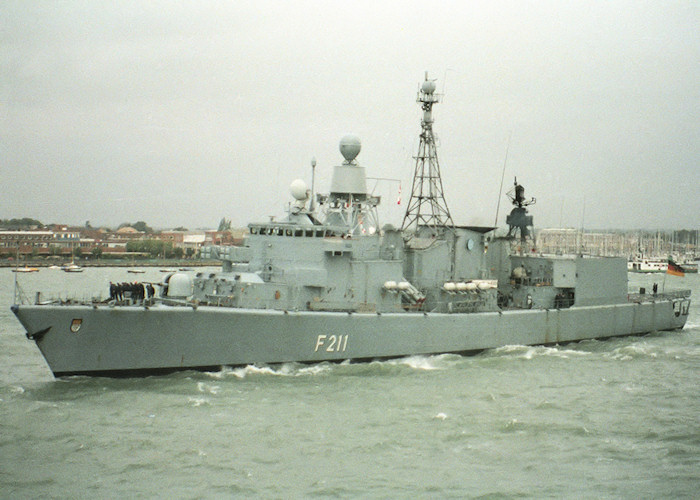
[(596, 419)]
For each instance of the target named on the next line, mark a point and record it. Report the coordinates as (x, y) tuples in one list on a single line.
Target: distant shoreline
[(165, 263)]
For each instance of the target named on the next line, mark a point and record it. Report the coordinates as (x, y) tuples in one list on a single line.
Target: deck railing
[(651, 297)]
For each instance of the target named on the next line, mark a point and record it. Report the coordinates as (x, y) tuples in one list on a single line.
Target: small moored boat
[(72, 268), (25, 269)]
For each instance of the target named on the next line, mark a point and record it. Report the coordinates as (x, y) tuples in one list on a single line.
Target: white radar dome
[(428, 86), (299, 190), (350, 146)]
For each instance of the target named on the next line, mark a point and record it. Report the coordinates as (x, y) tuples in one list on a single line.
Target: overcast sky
[(181, 113)]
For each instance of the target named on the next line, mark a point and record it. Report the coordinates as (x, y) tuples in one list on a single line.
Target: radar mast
[(427, 206), (518, 220)]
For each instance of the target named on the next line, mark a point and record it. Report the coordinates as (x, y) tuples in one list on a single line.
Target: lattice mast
[(427, 205)]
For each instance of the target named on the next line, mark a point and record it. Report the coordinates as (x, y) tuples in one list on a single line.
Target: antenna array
[(427, 205)]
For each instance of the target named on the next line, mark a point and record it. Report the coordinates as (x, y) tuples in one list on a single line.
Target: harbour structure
[(329, 283), (562, 241), (631, 244)]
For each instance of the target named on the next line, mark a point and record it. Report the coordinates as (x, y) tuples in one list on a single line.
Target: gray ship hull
[(131, 340)]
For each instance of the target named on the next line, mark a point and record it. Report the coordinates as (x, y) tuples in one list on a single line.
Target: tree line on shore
[(27, 223)]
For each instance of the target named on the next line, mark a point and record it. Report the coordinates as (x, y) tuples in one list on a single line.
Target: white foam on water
[(197, 401), (211, 389), (634, 351), (418, 362), (317, 369), (561, 352), (253, 370), (514, 425), (283, 370), (516, 348), (225, 370), (530, 352)]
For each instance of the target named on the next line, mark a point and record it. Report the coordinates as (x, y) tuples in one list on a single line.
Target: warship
[(326, 283)]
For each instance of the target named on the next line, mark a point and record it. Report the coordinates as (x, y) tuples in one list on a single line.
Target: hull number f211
[(331, 343)]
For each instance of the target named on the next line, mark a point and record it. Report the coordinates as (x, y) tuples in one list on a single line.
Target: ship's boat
[(328, 283)]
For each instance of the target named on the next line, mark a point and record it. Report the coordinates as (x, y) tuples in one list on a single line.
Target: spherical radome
[(350, 146), (428, 86), (299, 190)]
